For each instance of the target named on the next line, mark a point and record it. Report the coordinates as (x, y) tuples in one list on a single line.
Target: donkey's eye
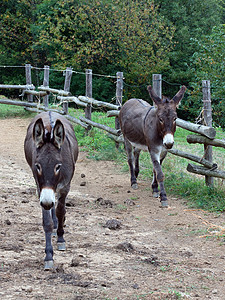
[(57, 168), (38, 168)]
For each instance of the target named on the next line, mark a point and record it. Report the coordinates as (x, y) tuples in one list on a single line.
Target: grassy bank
[(178, 182)]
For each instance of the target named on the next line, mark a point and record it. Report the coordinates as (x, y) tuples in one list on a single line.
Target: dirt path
[(155, 254)]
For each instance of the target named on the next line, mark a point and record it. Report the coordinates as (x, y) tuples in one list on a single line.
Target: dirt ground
[(146, 253)]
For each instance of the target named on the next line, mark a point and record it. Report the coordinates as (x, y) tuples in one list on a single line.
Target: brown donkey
[(152, 129), (51, 151)]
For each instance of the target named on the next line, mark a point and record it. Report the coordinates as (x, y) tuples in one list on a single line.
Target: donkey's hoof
[(54, 232), (134, 186), (48, 265), (155, 194), (164, 204), (61, 246)]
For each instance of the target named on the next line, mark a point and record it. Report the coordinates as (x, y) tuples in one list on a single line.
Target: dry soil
[(120, 243)]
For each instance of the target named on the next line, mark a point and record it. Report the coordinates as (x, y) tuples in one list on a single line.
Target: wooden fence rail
[(206, 134)]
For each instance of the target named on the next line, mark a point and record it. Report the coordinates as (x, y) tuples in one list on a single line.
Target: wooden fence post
[(207, 114), (88, 92), (119, 93), (67, 87), (119, 97), (157, 84), (46, 84), (28, 80)]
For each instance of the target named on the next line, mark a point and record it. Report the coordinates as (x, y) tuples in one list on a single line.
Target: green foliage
[(137, 37), (192, 19), (208, 64), (15, 35), (104, 36)]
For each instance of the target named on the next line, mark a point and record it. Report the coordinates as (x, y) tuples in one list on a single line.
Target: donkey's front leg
[(55, 221), (60, 213), (159, 177), (155, 189), (48, 227)]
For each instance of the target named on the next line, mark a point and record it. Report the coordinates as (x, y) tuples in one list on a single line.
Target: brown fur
[(51, 150), (146, 127)]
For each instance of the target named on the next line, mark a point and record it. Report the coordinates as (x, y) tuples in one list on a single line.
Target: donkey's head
[(48, 161), (166, 115)]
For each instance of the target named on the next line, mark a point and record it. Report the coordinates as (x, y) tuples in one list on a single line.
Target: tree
[(208, 63), (16, 19), (192, 19), (106, 36)]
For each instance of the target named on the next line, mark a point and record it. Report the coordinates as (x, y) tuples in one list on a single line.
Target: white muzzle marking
[(168, 140), (47, 197)]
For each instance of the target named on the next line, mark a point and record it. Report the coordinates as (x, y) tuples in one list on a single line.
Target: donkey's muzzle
[(168, 141), (47, 198)]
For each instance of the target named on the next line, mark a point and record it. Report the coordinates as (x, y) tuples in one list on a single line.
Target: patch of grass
[(13, 111), (178, 182)]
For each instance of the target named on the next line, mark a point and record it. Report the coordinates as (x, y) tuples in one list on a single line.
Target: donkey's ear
[(38, 133), (153, 95), (177, 98), (58, 134)]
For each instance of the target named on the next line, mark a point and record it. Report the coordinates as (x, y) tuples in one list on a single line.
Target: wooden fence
[(206, 134)]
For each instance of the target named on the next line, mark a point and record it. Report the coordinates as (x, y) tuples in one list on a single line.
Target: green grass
[(13, 111), (178, 182)]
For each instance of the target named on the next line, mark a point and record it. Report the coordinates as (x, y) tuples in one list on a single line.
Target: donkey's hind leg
[(155, 190), (136, 161), (130, 158)]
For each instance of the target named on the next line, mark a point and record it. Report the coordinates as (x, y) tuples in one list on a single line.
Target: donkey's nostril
[(168, 145), (47, 206)]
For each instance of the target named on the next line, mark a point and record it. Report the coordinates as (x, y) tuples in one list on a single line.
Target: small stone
[(25, 201), (101, 201), (83, 183), (125, 246), (113, 224), (129, 202), (28, 289), (82, 175), (152, 260), (8, 222), (135, 286), (75, 262)]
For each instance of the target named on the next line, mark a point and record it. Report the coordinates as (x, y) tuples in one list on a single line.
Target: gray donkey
[(51, 151), (152, 129)]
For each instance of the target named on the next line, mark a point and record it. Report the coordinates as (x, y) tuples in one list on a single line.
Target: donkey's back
[(132, 117)]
